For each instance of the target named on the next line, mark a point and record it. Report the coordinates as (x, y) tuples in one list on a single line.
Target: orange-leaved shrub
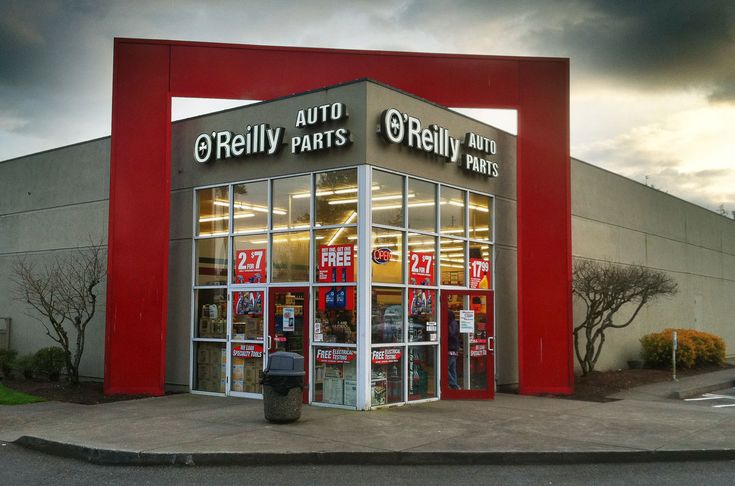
[(695, 348)]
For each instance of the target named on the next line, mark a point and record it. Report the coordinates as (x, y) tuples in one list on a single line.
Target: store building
[(345, 224), (285, 192)]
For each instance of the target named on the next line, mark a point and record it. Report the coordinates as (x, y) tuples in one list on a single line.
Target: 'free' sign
[(336, 256)]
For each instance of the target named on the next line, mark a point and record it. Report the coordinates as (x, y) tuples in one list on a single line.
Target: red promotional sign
[(479, 273), (247, 351), (335, 355), (336, 263), (250, 266), (386, 355), (421, 270)]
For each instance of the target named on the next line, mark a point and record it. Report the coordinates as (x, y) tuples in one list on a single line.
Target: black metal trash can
[(283, 384)]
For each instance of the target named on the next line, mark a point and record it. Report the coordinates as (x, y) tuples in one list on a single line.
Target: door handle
[(491, 344), (270, 342)]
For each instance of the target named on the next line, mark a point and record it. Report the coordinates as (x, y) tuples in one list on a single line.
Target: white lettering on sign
[(340, 256), (313, 142), (320, 114), (257, 139), (401, 128)]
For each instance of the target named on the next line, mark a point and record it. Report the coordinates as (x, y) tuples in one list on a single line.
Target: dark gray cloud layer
[(655, 44)]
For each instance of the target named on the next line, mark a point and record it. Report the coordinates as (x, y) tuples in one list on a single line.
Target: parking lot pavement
[(717, 399)]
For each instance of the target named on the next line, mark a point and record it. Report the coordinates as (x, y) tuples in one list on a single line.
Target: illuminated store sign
[(474, 154), (261, 139), (404, 129)]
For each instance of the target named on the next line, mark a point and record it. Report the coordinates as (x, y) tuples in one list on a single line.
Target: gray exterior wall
[(50, 203), (54, 201), (619, 220)]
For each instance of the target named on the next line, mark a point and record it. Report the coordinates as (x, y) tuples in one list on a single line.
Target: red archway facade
[(148, 73)]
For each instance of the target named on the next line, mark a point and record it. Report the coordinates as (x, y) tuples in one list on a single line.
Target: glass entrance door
[(247, 351), (288, 328), (468, 345)]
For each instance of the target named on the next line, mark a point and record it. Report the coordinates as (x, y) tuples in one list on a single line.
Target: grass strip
[(12, 397)]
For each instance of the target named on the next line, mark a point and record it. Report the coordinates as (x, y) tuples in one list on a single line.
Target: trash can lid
[(284, 363)]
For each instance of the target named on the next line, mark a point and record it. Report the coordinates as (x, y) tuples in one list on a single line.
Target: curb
[(698, 390), (400, 458)]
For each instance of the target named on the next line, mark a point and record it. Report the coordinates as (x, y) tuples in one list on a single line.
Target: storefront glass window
[(386, 383), (336, 197), (336, 255), (422, 326), (250, 259), (335, 315), (291, 203), (335, 376), (452, 211), (214, 211), (387, 318), (291, 257), (452, 262), (211, 261), (250, 207), (421, 372), (210, 373), (387, 199), (211, 313), (481, 216), (480, 266), (387, 255), (421, 205)]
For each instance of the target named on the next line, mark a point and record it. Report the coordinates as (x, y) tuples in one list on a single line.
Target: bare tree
[(62, 296), (605, 288)]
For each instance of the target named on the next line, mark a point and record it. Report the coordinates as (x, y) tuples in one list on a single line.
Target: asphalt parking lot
[(716, 399)]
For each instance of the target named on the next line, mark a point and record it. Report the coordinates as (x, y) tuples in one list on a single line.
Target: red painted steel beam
[(148, 73)]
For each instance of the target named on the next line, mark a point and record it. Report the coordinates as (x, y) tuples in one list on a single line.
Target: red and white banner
[(335, 355), (250, 266), (247, 351), (336, 263), (479, 273), (386, 355), (421, 270)]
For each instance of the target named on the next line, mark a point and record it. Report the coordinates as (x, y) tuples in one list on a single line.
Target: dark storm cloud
[(655, 44)]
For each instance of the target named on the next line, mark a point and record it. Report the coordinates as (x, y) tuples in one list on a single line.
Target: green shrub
[(7, 361), (49, 362), (695, 348), (26, 365)]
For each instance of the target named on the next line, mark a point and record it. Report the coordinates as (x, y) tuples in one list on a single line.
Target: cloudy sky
[(652, 82)]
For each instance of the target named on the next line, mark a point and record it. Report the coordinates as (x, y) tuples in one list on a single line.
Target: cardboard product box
[(238, 385), (334, 390), (238, 372), (350, 393), (250, 374), (202, 355), (349, 372), (222, 385), (205, 327), (319, 371), (378, 392), (202, 372)]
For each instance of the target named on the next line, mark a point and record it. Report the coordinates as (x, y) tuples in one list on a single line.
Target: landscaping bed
[(599, 385), (86, 393)]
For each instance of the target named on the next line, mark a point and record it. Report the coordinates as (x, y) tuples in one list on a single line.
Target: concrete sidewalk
[(195, 429)]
